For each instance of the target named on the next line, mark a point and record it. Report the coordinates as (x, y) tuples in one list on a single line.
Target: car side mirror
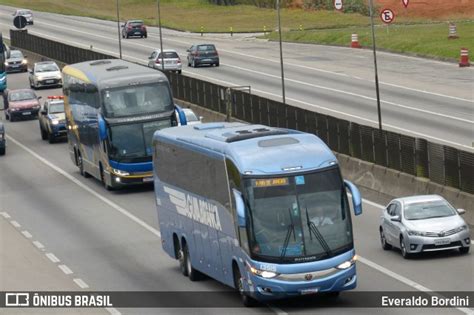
[(461, 211), (356, 197), (188, 50), (40, 97), (201, 118), (43, 112), (239, 207), (396, 218)]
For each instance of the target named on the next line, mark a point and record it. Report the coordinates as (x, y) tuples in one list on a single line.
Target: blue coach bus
[(261, 209), (113, 107)]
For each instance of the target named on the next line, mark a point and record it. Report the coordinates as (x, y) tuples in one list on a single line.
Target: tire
[(217, 64), (12, 118), (44, 135), (80, 164), (247, 301), (193, 64), (189, 63), (146, 35), (103, 181), (403, 249), (383, 241), (51, 138), (192, 273), (2, 151), (6, 116), (179, 71), (464, 250), (128, 36)]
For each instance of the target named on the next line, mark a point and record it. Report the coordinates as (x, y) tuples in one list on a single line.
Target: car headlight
[(416, 233), (54, 121), (120, 172), (347, 264), (262, 273), (24, 61), (14, 109), (461, 228)]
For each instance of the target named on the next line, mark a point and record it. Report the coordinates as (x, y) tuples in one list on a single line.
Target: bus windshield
[(298, 218), (133, 142), (137, 100)]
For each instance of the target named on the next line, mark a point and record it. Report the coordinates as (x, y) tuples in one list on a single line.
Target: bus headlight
[(347, 264), (262, 273), (120, 172)]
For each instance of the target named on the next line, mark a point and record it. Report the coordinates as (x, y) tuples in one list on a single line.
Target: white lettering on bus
[(199, 210)]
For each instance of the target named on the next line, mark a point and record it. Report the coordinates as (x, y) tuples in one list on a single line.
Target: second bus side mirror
[(102, 128), (240, 208), (356, 198)]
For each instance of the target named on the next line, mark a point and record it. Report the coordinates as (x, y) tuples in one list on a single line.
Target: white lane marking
[(15, 224), (375, 123), (88, 189), (352, 94), (80, 283), (65, 269), (157, 233), (5, 215), (113, 311), (53, 258), (38, 245), (277, 310), (26, 234), (406, 281)]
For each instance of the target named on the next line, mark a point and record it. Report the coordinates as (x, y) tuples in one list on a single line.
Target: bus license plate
[(309, 291), (442, 241), (147, 179), (26, 113)]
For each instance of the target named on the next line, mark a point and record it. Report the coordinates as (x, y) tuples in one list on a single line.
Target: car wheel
[(6, 116), (193, 63), (44, 135), (128, 36), (12, 118), (464, 250), (2, 151), (146, 35), (239, 284), (192, 273), (403, 248), (217, 64), (383, 241), (51, 138), (179, 71)]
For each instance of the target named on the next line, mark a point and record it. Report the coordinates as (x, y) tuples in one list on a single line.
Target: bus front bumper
[(123, 181), (271, 289)]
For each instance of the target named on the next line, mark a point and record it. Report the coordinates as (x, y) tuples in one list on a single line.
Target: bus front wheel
[(239, 284)]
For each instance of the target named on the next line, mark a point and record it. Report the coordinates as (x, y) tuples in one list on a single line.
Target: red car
[(21, 103)]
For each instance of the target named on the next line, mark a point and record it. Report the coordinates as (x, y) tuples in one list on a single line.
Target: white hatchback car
[(45, 74), (423, 224), (170, 57)]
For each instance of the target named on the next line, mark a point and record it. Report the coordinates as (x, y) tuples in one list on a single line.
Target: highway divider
[(385, 162)]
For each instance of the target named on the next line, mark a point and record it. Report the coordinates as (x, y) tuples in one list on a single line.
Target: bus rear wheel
[(189, 271)]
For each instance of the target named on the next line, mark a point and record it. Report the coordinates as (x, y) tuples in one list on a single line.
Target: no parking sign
[(387, 16), (338, 5)]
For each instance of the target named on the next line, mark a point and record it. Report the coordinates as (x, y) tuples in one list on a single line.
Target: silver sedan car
[(170, 57), (423, 224)]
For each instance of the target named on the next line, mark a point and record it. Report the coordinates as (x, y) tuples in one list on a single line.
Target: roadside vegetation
[(306, 21)]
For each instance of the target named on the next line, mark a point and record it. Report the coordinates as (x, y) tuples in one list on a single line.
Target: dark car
[(21, 103), (52, 119), (203, 54), (134, 28), (16, 62), (2, 139)]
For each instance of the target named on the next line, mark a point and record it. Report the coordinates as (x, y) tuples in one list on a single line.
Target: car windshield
[(137, 100), (24, 12), (48, 67), (169, 54), (21, 96), (298, 218), (56, 108), (133, 142), (428, 210), (16, 54), (206, 47)]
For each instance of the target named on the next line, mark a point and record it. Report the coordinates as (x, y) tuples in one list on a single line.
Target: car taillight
[(158, 61), (179, 60), (129, 27), (143, 28)]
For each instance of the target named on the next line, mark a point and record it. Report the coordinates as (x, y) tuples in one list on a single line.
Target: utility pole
[(281, 56), (161, 36), (118, 29), (377, 90)]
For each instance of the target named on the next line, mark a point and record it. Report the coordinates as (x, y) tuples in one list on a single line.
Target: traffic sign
[(19, 22), (338, 5), (387, 16), (405, 2)]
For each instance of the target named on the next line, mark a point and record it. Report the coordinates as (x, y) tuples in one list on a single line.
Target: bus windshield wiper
[(314, 230), (291, 229)]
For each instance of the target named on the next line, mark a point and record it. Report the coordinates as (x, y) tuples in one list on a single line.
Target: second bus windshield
[(298, 218), (137, 100)]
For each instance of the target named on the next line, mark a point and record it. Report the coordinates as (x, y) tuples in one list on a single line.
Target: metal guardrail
[(416, 156)]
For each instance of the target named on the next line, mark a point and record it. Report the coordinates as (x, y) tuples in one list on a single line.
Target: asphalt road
[(110, 240), (423, 98)]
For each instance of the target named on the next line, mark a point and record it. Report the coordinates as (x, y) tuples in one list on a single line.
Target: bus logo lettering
[(195, 208)]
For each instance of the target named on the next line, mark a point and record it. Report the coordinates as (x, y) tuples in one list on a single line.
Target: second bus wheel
[(192, 273)]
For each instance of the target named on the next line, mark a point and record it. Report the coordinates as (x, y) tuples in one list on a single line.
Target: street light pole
[(375, 64), (118, 29), (161, 37), (281, 56)]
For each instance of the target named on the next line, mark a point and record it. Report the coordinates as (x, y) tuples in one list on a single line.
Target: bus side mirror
[(356, 198), (240, 208), (102, 128)]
